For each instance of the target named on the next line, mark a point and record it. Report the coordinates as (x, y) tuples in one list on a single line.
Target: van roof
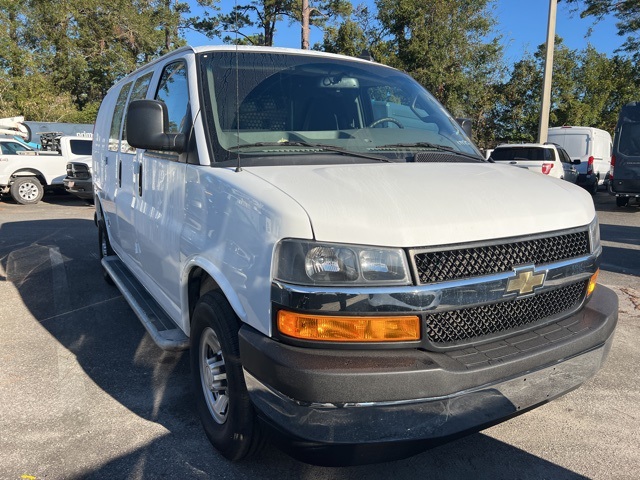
[(630, 112), (567, 128), (244, 48)]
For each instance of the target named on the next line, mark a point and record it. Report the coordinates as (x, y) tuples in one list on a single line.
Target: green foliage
[(65, 54), (444, 44), (254, 22), (628, 14), (358, 31), (59, 57), (588, 89)]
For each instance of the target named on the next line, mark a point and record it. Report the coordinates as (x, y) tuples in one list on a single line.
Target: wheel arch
[(199, 277), (99, 215), (30, 172)]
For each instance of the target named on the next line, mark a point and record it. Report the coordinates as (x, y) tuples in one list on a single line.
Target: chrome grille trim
[(474, 309), (425, 298), (446, 263)]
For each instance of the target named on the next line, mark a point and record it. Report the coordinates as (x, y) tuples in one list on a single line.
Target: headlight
[(594, 235), (304, 262)]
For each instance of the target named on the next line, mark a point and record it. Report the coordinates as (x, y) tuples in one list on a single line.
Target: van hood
[(425, 204)]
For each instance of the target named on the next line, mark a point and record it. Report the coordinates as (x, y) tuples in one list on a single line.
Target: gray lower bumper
[(429, 418), (381, 396)]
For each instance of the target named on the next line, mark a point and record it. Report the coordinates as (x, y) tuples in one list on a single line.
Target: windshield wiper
[(320, 146), (418, 144), (435, 146)]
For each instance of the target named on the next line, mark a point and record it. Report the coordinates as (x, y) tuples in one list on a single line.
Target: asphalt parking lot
[(85, 393)]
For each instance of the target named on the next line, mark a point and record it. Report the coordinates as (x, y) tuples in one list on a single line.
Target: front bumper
[(586, 180), (81, 188), (326, 397), (624, 188)]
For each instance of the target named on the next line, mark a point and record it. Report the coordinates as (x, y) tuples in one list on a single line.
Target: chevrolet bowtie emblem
[(525, 282)]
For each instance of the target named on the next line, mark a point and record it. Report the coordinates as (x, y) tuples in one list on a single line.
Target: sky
[(522, 24)]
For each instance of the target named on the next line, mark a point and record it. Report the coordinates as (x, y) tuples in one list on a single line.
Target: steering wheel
[(385, 119)]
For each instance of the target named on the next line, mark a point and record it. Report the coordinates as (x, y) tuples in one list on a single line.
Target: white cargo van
[(274, 211), (592, 146)]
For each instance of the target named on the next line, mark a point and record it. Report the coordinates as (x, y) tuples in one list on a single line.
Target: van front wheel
[(222, 400)]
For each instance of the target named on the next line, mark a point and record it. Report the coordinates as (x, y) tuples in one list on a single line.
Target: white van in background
[(592, 146)]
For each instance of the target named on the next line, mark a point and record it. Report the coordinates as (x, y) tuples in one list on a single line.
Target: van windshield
[(282, 104), (629, 139)]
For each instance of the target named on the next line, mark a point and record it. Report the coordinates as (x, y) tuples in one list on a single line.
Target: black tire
[(594, 188), (622, 201), (221, 395), (27, 190), (105, 250)]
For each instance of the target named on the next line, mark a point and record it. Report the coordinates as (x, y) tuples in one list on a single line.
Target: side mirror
[(576, 162), (147, 122)]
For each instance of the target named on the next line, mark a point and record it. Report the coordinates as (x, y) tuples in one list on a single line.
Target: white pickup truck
[(25, 172)]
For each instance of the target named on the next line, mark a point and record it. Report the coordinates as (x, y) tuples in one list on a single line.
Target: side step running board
[(162, 329)]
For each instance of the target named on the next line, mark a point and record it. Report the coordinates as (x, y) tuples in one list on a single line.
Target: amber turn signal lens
[(348, 329), (592, 283)]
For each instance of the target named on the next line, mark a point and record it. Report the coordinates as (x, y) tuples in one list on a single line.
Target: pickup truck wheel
[(27, 190), (105, 249), (222, 399)]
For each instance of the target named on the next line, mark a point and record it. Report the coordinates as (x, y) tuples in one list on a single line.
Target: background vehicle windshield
[(285, 99), (522, 153), (629, 139)]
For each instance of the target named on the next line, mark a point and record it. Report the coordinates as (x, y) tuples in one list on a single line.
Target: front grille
[(470, 323), (78, 170), (441, 266), (440, 157)]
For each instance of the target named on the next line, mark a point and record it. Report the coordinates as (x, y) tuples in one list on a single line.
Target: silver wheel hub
[(28, 191), (213, 376)]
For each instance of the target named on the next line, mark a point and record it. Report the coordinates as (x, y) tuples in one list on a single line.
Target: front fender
[(28, 173), (218, 276)]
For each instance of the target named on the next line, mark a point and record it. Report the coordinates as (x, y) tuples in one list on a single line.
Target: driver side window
[(173, 90)]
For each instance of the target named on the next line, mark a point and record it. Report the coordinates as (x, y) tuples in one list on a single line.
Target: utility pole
[(306, 13), (548, 73)]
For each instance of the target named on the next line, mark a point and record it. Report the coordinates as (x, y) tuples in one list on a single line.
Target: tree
[(255, 22), (87, 45), (584, 92), (626, 11), (445, 45), (358, 31), (65, 54)]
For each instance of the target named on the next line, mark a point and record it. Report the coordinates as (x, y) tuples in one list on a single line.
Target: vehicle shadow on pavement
[(625, 256), (119, 407)]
